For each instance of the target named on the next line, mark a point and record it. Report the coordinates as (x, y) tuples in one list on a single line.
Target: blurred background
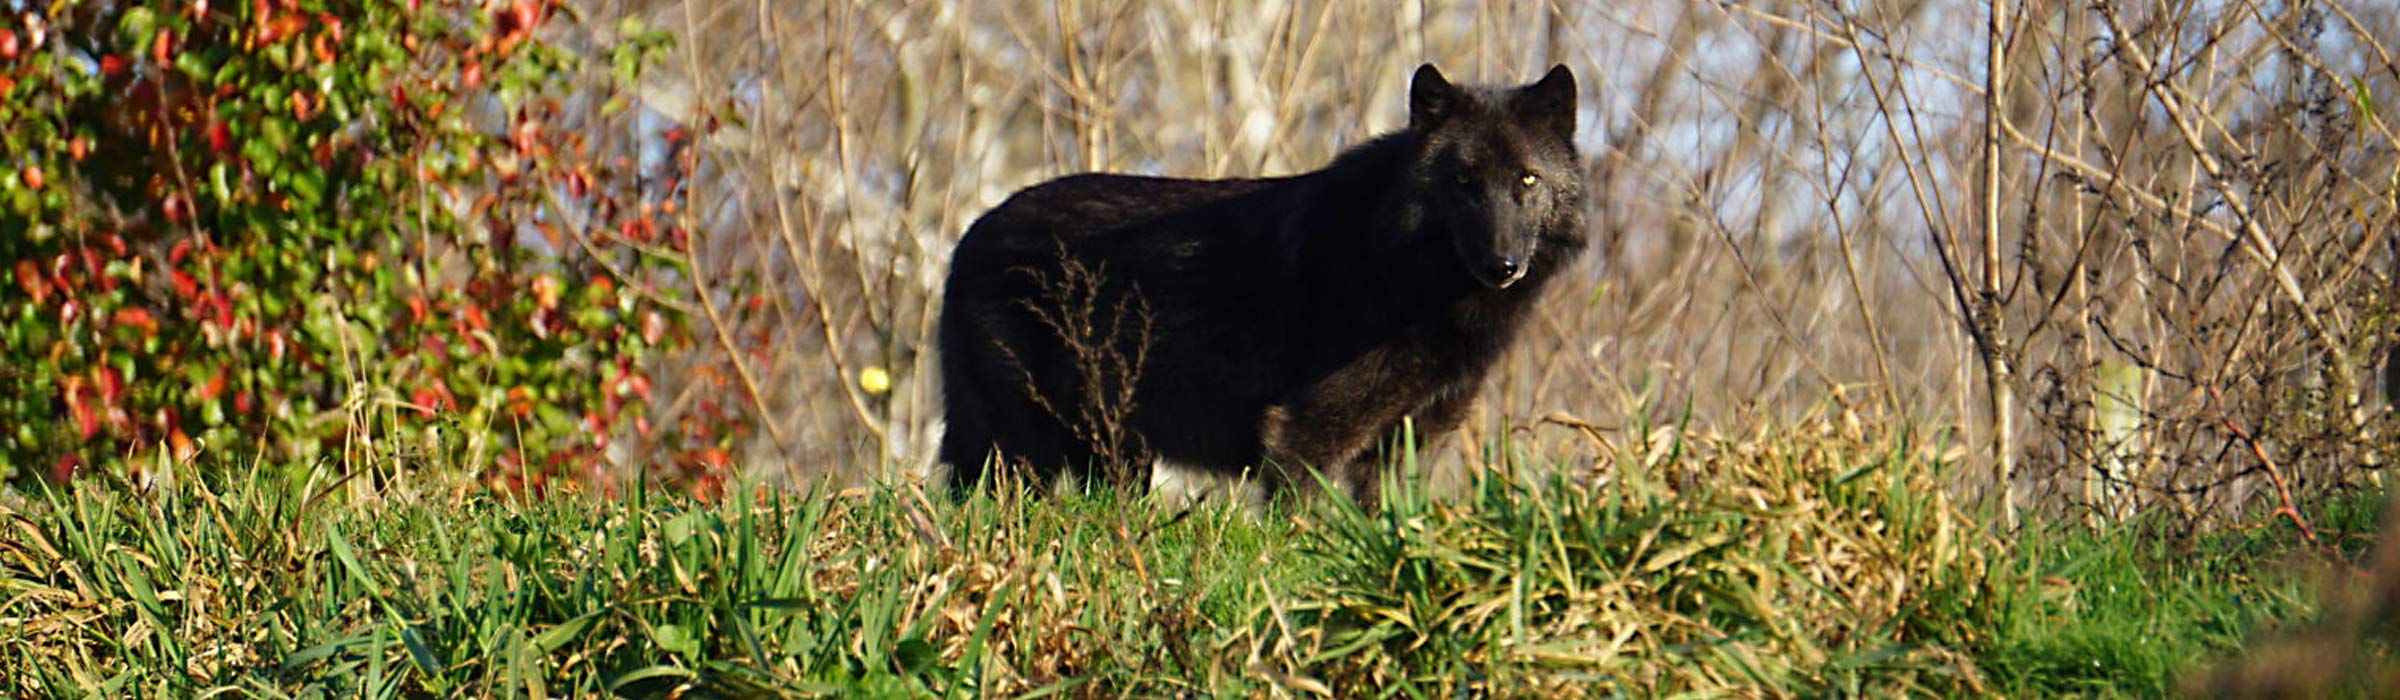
[(2141, 260), (2145, 261)]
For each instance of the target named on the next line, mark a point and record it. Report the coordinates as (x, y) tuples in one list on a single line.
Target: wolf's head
[(1498, 168)]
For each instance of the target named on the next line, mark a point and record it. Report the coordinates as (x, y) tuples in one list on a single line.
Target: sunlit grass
[(1801, 562)]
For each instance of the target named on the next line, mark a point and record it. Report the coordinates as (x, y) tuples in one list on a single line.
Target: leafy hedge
[(303, 227)]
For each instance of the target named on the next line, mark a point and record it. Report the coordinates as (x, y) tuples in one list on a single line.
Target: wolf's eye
[(1463, 178), (1529, 179)]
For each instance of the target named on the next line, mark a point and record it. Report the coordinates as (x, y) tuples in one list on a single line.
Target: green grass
[(2126, 613), (1800, 563)]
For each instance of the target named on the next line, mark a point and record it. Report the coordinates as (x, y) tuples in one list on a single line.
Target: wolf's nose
[(1501, 267)]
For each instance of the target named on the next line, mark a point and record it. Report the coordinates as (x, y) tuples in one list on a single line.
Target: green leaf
[(413, 637), (135, 28), (557, 637), (915, 656), (350, 564), (677, 639)]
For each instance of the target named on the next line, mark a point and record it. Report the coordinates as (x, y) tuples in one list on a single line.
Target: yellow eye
[(1530, 179)]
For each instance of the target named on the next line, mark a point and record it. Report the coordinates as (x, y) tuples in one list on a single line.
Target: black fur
[(1097, 322)]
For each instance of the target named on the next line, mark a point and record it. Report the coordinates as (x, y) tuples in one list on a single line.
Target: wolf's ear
[(1431, 98), (1550, 102)]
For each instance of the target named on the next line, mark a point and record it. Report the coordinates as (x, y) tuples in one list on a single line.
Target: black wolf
[(1095, 323)]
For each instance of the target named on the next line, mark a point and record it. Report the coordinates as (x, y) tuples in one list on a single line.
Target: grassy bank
[(1802, 562)]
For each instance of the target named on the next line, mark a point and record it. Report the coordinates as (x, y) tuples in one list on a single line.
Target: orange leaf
[(137, 317), (162, 47), (181, 446), (215, 386), (545, 292)]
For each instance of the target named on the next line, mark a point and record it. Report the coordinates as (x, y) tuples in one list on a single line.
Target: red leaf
[(521, 137), (526, 14), (708, 487), (29, 278), (186, 288), (475, 319), (59, 268), (66, 468), (654, 326), (111, 384), (425, 401), (87, 422), (283, 25)]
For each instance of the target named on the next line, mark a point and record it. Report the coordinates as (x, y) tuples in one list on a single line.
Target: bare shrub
[(1107, 336), (2152, 241)]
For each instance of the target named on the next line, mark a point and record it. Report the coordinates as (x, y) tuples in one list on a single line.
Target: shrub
[(303, 228)]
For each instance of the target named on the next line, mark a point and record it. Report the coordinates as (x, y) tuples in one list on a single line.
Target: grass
[(1804, 562), (2126, 613)]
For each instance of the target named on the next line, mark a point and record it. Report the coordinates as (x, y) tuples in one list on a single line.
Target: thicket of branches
[(2139, 262)]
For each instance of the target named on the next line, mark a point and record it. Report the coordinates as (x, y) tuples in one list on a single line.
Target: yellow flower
[(875, 380)]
